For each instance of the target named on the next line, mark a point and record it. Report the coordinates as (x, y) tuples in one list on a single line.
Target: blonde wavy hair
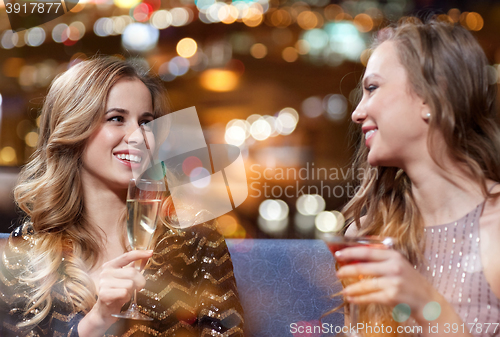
[(50, 187), (448, 69)]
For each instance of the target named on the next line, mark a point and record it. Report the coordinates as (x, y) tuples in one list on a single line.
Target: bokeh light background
[(276, 78)]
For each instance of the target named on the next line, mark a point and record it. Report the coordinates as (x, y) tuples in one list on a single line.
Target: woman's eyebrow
[(125, 112), (120, 110), (374, 75)]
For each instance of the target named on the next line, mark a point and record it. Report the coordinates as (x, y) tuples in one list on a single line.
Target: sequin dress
[(190, 290), (453, 266)]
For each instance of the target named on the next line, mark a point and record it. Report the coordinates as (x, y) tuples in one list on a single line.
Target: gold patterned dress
[(190, 290)]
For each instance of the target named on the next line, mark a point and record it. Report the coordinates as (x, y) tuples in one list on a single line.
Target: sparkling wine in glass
[(336, 242), (143, 204)]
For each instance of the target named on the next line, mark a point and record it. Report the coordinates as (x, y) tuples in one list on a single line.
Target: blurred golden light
[(9, 39), (281, 18), (310, 204), (462, 19), (27, 76), (363, 22), (307, 20), (492, 72), (293, 13), (161, 19), (76, 31), (78, 7), (365, 56), (237, 131), (142, 12), (126, 3), (260, 129), (376, 14), (186, 47), (228, 14), (258, 50), (45, 73), (8, 154), (444, 18), (332, 12), (343, 17), (320, 19), (227, 225), (12, 66), (454, 14), (326, 222), (23, 127), (258, 7), (219, 80), (31, 139), (119, 25), (300, 6), (474, 21), (181, 16), (290, 54), (77, 58), (253, 17), (38, 121), (302, 47), (287, 121), (20, 42), (235, 135), (73, 33), (240, 232)]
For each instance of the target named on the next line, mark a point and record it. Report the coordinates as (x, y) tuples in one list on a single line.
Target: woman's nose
[(134, 134), (359, 114)]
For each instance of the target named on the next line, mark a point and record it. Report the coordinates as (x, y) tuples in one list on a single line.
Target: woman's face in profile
[(391, 114), (114, 149)]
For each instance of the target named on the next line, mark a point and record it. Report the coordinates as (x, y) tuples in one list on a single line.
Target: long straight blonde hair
[(50, 187), (448, 69)]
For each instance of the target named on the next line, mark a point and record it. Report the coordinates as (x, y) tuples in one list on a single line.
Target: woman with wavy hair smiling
[(66, 270), (431, 130)]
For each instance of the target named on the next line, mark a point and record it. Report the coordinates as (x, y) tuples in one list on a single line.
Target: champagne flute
[(143, 203), (336, 242)]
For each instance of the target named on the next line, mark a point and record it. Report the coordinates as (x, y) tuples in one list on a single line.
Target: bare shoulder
[(489, 235), (352, 230), (490, 219)]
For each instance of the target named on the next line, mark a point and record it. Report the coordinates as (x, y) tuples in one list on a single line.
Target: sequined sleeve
[(220, 310), (190, 289), (61, 320), (13, 295)]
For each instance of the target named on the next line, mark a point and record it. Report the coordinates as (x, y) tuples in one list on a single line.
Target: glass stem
[(133, 301), (354, 313)]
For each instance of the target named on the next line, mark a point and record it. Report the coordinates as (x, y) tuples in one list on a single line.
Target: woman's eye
[(115, 119), (146, 125), (371, 88)]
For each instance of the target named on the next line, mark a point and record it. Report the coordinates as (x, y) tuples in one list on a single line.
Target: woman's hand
[(117, 283), (387, 278)]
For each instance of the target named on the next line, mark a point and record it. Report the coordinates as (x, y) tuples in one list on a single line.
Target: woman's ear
[(426, 112)]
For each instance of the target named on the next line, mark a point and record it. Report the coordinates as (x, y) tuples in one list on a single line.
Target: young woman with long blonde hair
[(430, 128), (66, 270)]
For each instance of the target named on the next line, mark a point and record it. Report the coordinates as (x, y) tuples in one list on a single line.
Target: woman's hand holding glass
[(386, 277), (117, 282)]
